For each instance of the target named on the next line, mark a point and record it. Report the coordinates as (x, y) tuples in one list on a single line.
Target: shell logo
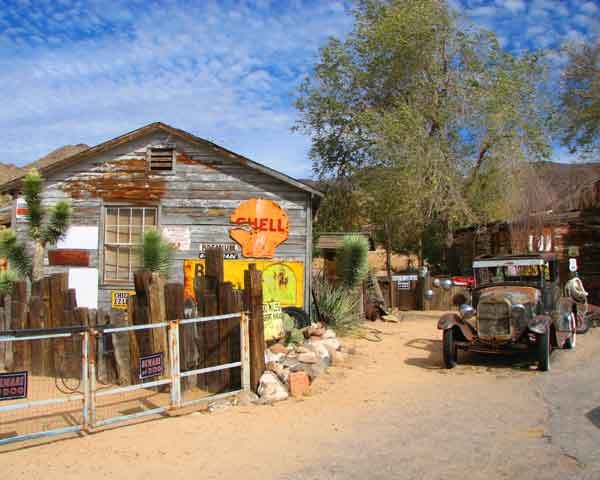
[(262, 225)]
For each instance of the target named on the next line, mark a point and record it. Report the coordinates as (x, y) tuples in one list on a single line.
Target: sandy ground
[(390, 412)]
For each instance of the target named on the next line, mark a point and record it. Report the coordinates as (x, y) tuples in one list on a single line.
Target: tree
[(425, 116), (40, 233), (580, 99)]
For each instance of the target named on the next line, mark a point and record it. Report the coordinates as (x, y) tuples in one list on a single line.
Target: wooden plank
[(22, 350), (254, 304), (120, 343)]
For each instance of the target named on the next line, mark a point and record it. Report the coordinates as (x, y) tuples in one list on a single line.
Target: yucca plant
[(7, 279), (337, 306), (41, 231), (156, 253), (351, 260)]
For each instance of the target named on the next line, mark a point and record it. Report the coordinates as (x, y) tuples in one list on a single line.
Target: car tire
[(449, 349), (544, 351)]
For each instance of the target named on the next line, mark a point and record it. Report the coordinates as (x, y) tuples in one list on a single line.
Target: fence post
[(92, 378), (85, 375), (174, 363), (245, 351)]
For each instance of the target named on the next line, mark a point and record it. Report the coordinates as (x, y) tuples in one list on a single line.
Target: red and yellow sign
[(262, 226)]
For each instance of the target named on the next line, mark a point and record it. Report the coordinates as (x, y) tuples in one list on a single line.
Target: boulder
[(308, 357), (279, 370), (329, 333), (272, 357), (278, 348), (332, 344), (321, 350), (271, 389)]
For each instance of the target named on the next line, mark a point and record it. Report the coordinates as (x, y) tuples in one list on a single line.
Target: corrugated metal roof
[(331, 241)]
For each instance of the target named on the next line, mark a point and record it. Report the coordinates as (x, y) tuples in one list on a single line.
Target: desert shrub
[(337, 306), (156, 253), (351, 260), (7, 279)]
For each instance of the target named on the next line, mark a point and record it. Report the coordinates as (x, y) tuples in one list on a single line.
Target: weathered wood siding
[(202, 192)]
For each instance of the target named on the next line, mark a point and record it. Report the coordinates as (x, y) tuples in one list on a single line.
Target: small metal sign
[(151, 365), (13, 385), (231, 251), (403, 285), (120, 298)]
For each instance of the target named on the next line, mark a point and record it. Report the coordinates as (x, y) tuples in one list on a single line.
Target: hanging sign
[(151, 365), (120, 298), (13, 385), (262, 225)]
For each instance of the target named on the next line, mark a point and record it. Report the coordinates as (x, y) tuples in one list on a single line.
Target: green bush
[(156, 253), (351, 260), (337, 306), (7, 278)]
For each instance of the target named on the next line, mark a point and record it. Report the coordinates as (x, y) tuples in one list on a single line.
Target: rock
[(321, 351), (278, 348), (314, 338), (272, 357), (332, 344), (314, 371), (301, 349), (329, 333), (308, 357), (246, 398), (338, 358), (299, 384), (219, 406), (271, 389), (390, 318), (279, 370)]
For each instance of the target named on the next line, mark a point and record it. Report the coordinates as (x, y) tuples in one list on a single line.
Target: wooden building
[(196, 193), (570, 233)]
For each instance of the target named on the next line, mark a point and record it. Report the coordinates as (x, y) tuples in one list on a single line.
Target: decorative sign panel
[(262, 226), (152, 365), (69, 258), (120, 298), (231, 251), (273, 320), (13, 385), (178, 235)]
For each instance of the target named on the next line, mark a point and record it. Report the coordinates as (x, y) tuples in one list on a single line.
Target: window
[(123, 230), (161, 159)]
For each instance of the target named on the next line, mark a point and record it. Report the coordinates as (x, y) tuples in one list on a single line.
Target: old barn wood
[(193, 191)]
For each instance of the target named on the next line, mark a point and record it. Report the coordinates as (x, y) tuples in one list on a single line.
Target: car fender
[(449, 320), (539, 324)]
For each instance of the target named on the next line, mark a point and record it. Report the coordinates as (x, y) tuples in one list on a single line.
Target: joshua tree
[(156, 253), (41, 232)]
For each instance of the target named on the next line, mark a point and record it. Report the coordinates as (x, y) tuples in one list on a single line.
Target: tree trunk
[(388, 266), (38, 261)]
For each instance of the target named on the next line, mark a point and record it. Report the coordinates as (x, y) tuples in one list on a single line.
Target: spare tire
[(301, 318)]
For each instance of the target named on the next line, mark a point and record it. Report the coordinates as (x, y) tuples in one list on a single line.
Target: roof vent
[(161, 159)]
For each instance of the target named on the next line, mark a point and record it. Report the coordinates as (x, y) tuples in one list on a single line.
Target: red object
[(69, 258), (463, 281), (299, 383)]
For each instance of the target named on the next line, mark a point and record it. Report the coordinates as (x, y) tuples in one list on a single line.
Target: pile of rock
[(292, 368)]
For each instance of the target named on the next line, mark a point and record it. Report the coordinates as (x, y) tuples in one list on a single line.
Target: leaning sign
[(13, 385), (151, 365)]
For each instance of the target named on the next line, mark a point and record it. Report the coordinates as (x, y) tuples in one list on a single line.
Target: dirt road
[(391, 412)]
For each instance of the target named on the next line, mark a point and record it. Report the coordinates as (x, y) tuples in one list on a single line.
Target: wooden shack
[(197, 193), (570, 233)]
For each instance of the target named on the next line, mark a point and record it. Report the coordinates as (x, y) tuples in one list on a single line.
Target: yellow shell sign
[(262, 226), (283, 282)]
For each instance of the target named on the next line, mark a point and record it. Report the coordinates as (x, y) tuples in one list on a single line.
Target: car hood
[(515, 295)]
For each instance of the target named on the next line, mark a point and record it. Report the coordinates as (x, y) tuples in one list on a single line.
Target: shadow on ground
[(433, 360)]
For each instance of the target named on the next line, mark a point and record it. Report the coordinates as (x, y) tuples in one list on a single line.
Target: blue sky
[(74, 71)]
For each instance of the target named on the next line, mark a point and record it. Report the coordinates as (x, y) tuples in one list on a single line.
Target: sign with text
[(120, 298), (178, 235), (151, 365), (231, 251), (273, 320), (13, 385)]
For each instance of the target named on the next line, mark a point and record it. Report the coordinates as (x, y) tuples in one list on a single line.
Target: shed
[(197, 193), (329, 242)]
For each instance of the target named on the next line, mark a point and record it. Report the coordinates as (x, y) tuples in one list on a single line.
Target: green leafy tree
[(427, 117), (44, 227), (156, 253), (580, 99)]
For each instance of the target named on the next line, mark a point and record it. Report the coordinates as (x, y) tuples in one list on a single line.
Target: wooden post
[(174, 311), (212, 330), (22, 350), (58, 287), (254, 304), (9, 353), (134, 346), (121, 348), (41, 317)]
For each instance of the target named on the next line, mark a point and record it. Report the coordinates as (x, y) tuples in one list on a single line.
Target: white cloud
[(513, 5)]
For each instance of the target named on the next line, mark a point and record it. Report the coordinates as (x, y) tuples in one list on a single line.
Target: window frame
[(130, 245)]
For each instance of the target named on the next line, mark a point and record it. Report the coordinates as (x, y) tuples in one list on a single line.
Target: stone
[(278, 348), (314, 371), (321, 351), (338, 358), (332, 343), (272, 357), (279, 370), (246, 398), (301, 349), (299, 384), (390, 318), (270, 388), (219, 406), (329, 333), (308, 357)]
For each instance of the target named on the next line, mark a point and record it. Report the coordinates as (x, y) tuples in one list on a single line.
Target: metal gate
[(51, 382)]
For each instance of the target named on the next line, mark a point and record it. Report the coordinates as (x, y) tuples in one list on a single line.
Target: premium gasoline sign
[(151, 365), (13, 385)]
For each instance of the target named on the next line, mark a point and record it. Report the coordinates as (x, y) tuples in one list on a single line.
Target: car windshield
[(511, 273)]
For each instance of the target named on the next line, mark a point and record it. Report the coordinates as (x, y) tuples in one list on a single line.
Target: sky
[(75, 71)]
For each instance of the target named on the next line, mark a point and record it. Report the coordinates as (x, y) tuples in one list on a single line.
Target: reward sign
[(151, 365), (120, 298), (13, 385)]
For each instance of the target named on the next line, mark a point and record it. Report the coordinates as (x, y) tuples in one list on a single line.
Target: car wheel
[(449, 349), (571, 342), (544, 351)]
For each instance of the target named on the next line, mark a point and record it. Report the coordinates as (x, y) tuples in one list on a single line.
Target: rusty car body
[(517, 306)]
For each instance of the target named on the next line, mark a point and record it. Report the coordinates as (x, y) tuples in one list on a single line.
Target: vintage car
[(517, 306)]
